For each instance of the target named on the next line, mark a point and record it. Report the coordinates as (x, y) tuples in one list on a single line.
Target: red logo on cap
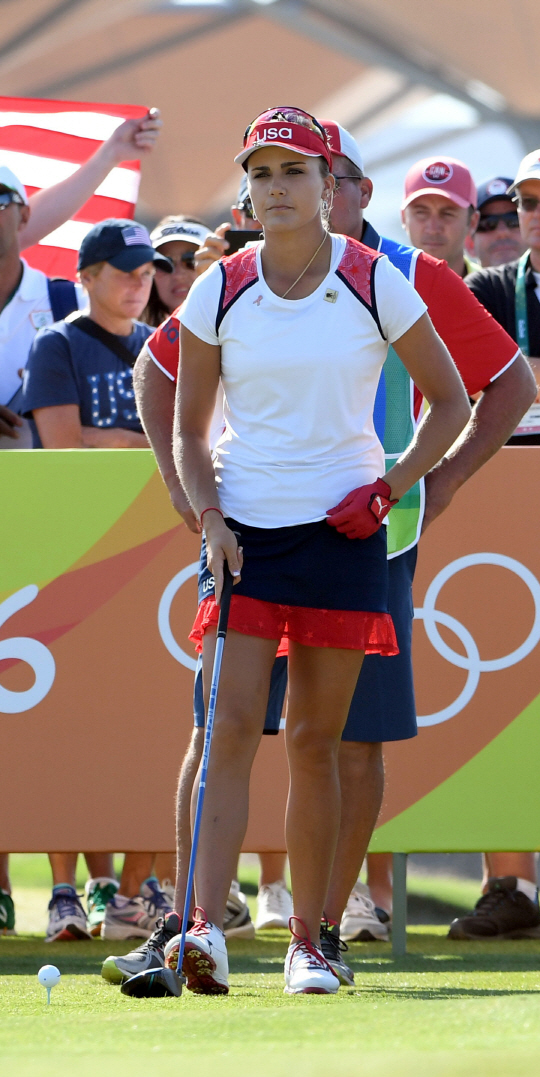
[(438, 172)]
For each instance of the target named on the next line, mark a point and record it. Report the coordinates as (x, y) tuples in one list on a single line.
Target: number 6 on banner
[(25, 650)]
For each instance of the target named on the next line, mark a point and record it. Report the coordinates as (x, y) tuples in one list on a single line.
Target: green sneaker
[(98, 894), (7, 914)]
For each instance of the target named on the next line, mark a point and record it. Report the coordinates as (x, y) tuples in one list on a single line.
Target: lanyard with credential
[(522, 318)]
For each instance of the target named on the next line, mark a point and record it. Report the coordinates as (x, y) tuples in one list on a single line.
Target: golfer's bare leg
[(321, 686), (361, 774), (240, 715), (186, 781)]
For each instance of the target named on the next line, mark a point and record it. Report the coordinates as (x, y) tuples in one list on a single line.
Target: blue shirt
[(66, 366)]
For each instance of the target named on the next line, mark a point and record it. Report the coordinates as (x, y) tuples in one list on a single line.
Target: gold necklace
[(325, 237)]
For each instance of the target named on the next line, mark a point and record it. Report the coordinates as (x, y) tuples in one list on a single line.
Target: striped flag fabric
[(44, 141)]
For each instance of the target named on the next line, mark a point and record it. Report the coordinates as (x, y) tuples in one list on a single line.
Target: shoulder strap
[(522, 316), (62, 297), (92, 329)]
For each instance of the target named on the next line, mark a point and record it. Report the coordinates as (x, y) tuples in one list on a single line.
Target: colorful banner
[(97, 595)]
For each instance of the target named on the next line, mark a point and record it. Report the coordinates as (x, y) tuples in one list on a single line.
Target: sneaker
[(362, 921), (135, 918), (7, 914), (503, 913), (205, 964), (98, 894), (307, 972), (237, 921), (156, 983), (333, 948), (274, 906), (150, 955), (67, 918)]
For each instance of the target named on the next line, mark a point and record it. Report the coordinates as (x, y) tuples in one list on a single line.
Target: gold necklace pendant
[(311, 260)]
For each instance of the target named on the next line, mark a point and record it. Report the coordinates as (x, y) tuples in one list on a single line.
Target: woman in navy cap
[(297, 329)]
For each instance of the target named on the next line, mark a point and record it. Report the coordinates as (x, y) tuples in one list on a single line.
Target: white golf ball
[(49, 976)]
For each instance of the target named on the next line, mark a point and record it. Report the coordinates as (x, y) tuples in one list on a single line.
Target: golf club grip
[(225, 603)]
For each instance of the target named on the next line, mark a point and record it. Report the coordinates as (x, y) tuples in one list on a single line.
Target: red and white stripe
[(44, 142)]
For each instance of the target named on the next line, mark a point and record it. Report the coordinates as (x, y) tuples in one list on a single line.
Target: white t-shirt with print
[(299, 380)]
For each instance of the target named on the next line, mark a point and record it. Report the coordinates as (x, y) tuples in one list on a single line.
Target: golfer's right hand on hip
[(221, 546), (362, 512)]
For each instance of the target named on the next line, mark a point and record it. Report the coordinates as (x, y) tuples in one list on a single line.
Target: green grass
[(447, 1009)]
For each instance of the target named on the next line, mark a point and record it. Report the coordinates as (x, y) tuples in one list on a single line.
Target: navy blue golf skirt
[(308, 583)]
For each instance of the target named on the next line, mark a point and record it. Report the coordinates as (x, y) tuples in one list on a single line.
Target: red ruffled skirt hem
[(351, 629)]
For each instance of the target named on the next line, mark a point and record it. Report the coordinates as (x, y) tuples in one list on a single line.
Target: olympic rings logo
[(164, 616), (472, 662)]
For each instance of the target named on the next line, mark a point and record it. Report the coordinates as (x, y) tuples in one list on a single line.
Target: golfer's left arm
[(430, 366), (493, 420)]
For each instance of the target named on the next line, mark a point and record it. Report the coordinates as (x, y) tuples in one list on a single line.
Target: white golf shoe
[(274, 906), (361, 921), (205, 964), (307, 971)]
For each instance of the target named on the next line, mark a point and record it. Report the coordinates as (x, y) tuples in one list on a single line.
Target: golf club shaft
[(216, 671)]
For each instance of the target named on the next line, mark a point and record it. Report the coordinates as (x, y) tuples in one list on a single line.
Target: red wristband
[(211, 508)]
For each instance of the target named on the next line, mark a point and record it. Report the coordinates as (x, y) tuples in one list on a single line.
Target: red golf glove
[(362, 512)]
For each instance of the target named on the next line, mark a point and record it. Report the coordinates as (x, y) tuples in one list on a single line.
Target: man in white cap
[(439, 210), (27, 299)]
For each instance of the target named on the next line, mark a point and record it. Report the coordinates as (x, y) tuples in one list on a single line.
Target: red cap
[(290, 128), (440, 175)]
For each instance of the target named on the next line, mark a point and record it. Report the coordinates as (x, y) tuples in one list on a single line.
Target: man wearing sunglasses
[(511, 292), (497, 238)]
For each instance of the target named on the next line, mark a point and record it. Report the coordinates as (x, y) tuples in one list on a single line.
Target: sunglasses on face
[(187, 259), (7, 197), (246, 208), (288, 115), (490, 221), (339, 180), (528, 203)]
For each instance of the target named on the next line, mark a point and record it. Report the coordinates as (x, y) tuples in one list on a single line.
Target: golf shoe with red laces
[(205, 964), (307, 971)]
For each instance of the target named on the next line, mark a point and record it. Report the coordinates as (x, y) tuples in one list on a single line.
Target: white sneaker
[(67, 918), (135, 918), (274, 906), (205, 964), (361, 920), (307, 971), (167, 886)]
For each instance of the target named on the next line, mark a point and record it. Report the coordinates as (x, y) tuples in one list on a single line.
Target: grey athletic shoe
[(116, 970), (333, 949), (138, 917), (237, 922)]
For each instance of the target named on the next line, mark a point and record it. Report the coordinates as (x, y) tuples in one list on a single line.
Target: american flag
[(136, 235), (44, 141)]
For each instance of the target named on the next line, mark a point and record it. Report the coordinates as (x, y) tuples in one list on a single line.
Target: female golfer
[(298, 330)]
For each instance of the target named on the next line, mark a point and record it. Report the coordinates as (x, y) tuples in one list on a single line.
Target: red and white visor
[(288, 128)]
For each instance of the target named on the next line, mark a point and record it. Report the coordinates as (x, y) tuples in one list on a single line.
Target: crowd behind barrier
[(94, 365)]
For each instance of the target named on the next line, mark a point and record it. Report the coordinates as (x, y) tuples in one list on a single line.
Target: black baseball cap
[(125, 244), (492, 190)]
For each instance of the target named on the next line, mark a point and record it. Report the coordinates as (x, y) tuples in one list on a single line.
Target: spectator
[(78, 390), (28, 300), (439, 210), (497, 238), (178, 238), (508, 906)]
